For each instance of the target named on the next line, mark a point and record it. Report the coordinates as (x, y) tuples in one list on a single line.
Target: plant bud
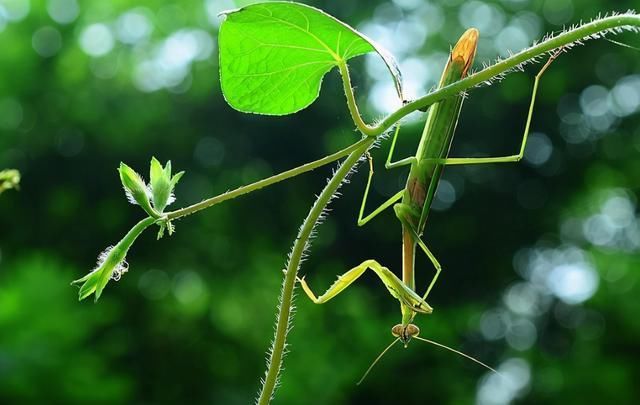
[(162, 184), (111, 264), (135, 188)]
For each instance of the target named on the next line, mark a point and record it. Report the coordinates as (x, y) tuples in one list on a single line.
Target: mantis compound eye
[(412, 330)]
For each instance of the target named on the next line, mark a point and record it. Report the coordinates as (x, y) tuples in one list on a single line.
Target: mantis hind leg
[(395, 286), (405, 213)]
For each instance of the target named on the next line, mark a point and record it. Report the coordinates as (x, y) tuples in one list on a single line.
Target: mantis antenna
[(622, 44), (366, 373), (457, 352)]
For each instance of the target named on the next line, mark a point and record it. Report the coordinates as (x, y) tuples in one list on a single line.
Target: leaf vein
[(244, 75), (321, 42)]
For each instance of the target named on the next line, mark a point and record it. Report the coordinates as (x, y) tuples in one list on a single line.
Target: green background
[(541, 275)]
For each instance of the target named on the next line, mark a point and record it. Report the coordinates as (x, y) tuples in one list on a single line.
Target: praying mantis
[(426, 167)]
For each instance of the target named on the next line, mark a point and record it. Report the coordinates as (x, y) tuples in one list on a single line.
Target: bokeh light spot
[(63, 11), (557, 12), (624, 98), (47, 41), (15, 10), (494, 324), (522, 334), (408, 4), (593, 101), (539, 149), (445, 196), (154, 284), (503, 388), (96, 40), (487, 18), (573, 283), (11, 113), (511, 39), (134, 26), (188, 288), (209, 152)]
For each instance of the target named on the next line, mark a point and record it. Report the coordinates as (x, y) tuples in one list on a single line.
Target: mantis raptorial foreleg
[(403, 212), (395, 286)]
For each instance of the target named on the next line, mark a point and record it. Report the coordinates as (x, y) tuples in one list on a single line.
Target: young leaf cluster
[(153, 198)]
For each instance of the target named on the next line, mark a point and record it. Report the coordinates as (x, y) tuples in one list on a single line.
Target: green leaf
[(176, 178), (274, 55), (162, 184), (135, 188), (111, 263), (111, 266)]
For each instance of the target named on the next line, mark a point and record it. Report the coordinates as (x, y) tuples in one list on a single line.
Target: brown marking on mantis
[(417, 191)]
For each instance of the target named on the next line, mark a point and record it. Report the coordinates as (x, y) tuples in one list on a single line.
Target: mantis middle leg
[(402, 162), (362, 220)]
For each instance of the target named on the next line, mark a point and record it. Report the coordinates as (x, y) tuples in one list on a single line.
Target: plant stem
[(265, 182), (351, 102), (301, 243), (566, 38)]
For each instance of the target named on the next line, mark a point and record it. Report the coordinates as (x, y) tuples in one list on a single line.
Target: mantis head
[(405, 332)]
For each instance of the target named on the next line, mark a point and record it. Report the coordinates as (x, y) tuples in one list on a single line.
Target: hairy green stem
[(299, 246), (351, 102), (264, 182), (563, 39)]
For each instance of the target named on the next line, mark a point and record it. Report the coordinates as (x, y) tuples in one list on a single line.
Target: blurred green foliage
[(541, 258), (9, 179)]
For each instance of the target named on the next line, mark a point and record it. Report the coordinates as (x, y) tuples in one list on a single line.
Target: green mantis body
[(426, 167)]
